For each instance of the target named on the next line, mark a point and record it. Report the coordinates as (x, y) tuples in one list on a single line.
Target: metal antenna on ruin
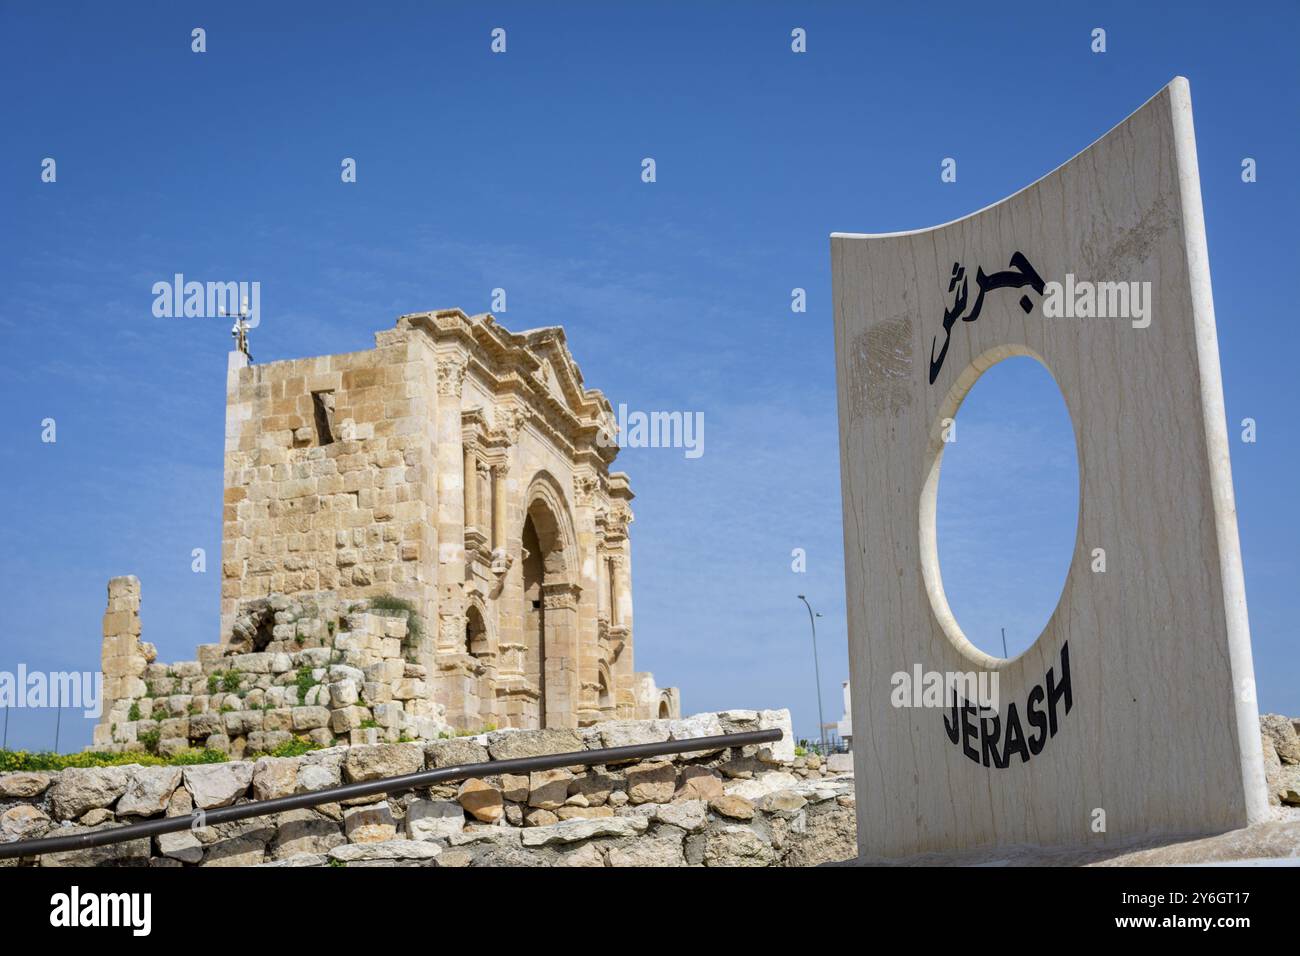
[(239, 331)]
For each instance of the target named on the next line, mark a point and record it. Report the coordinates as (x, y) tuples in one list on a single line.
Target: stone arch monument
[(1133, 714)]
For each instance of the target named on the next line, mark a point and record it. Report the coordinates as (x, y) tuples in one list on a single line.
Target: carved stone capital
[(560, 596), (451, 632), (511, 419), (451, 375), (585, 486)]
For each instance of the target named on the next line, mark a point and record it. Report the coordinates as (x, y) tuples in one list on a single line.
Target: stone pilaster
[(124, 657)]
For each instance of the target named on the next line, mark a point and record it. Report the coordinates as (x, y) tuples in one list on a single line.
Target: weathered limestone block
[(174, 728), (347, 719), (737, 846), (688, 815), (839, 763), (205, 725), (244, 850), (279, 718), (434, 819), (1283, 734), (369, 824), (275, 777), (149, 791), (132, 852), (627, 733), (320, 770), (389, 850), (730, 805), (454, 753), (515, 787), (481, 800), (305, 832), (783, 802), (343, 693), (584, 813), (699, 783), (218, 784), (548, 789), (1273, 781), (663, 848), (571, 831), (79, 790), (697, 725), (593, 786), (540, 818), (409, 689), (651, 783), (24, 822), (382, 760), (510, 745), (24, 784), (586, 855), (762, 784), (310, 717)]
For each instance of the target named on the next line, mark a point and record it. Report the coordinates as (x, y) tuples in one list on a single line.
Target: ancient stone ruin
[(420, 537)]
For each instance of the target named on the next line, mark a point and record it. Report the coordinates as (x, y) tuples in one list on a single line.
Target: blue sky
[(522, 171)]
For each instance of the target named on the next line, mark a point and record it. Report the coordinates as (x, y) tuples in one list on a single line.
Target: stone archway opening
[(476, 637), (604, 697), (549, 614), (534, 616)]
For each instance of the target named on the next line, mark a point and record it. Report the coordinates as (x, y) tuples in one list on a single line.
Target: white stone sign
[(1133, 714)]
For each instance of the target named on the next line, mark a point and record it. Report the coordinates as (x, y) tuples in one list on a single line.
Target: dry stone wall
[(312, 666), (753, 806)]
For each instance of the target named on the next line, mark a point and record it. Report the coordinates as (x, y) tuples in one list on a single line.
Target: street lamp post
[(821, 722)]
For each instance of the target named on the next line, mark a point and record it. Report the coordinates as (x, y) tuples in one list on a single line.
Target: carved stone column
[(499, 471), (471, 487)]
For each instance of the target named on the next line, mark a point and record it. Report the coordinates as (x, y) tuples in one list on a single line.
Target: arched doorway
[(534, 616), (476, 639), (550, 605)]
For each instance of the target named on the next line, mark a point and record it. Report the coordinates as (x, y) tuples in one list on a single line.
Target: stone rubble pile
[(753, 806), (1281, 737), (308, 667)]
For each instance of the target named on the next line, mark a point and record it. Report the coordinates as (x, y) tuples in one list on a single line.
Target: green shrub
[(12, 760), (134, 712), (290, 748), (230, 682), (304, 683)]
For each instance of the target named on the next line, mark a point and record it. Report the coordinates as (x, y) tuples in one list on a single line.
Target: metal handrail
[(384, 785)]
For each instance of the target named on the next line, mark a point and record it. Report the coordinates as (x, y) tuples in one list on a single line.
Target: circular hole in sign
[(1006, 517)]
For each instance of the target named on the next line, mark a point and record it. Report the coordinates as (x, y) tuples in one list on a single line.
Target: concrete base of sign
[(1270, 844), (1133, 714)]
